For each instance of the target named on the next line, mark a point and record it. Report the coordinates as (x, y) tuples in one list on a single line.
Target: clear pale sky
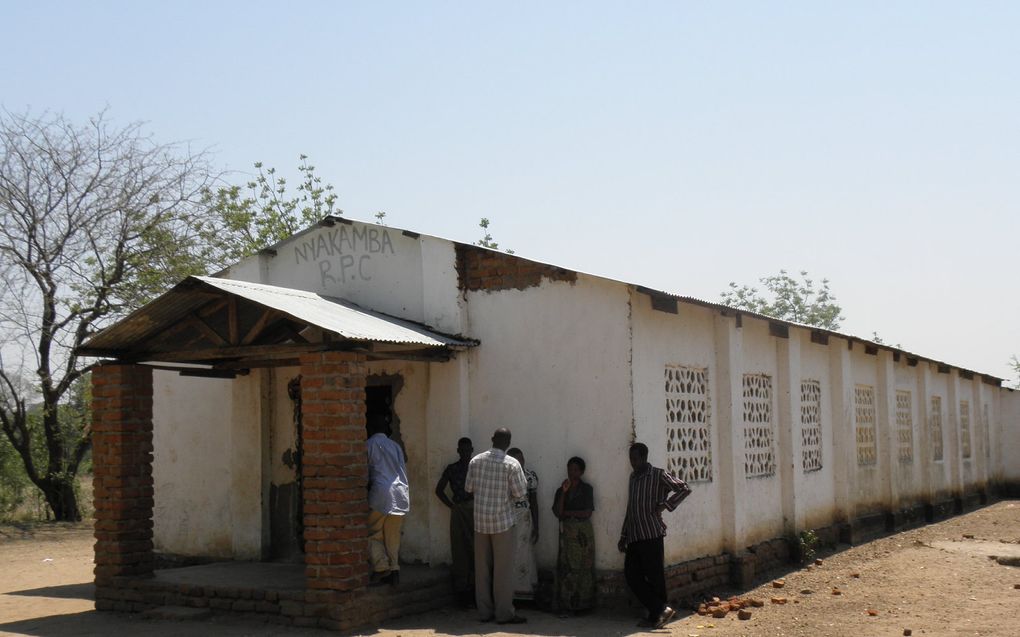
[(671, 144)]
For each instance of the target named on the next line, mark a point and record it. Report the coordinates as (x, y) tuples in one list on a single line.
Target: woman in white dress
[(525, 534)]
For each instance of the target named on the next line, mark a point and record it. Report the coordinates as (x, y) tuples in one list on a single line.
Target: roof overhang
[(233, 325)]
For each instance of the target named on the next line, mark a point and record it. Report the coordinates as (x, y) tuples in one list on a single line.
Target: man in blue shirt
[(389, 497)]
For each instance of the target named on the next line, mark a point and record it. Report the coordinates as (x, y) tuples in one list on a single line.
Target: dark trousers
[(645, 574), (462, 547)]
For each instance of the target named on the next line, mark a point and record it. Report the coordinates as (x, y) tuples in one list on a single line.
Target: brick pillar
[(122, 471), (335, 470)]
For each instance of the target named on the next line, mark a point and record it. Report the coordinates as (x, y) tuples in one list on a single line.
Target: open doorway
[(286, 515), (380, 398)]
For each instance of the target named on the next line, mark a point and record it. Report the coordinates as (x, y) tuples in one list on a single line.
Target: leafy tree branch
[(790, 299)]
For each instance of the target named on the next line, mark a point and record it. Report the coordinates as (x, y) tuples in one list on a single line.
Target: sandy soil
[(942, 579)]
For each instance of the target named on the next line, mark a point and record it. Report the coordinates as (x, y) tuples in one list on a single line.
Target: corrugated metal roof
[(332, 219), (336, 315), (813, 328)]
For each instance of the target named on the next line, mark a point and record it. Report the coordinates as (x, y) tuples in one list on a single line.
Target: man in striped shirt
[(651, 492), (496, 480)]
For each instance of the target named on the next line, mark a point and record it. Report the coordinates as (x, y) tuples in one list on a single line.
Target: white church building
[(778, 427)]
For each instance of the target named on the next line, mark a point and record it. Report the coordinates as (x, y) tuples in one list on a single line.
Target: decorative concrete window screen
[(935, 428), (864, 408), (964, 428), (811, 425), (759, 453), (688, 423), (985, 431), (905, 426)]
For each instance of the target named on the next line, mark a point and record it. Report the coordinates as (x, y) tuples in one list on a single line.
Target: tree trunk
[(62, 499)]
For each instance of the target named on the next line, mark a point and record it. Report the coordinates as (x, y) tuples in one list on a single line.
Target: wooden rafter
[(232, 320), (212, 308), (205, 329), (234, 352), (256, 329), (429, 355), (251, 363)]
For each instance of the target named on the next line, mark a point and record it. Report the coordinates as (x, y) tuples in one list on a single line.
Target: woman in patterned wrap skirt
[(575, 566)]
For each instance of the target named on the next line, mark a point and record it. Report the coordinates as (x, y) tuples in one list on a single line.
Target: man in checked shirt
[(651, 492), (496, 480)]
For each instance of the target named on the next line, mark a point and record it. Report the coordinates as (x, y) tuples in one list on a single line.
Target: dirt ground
[(941, 579)]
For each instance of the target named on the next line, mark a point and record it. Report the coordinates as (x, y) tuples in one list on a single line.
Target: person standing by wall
[(496, 480), (390, 500), (462, 522), (651, 491), (573, 505), (525, 533)]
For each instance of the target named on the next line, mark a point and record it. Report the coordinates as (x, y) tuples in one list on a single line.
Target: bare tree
[(95, 219)]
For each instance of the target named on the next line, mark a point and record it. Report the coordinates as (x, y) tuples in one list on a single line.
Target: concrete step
[(177, 613)]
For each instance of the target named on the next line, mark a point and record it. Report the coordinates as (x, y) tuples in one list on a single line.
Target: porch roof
[(236, 324)]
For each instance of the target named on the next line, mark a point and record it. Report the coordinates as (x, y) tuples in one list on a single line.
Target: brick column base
[(335, 472), (122, 472)]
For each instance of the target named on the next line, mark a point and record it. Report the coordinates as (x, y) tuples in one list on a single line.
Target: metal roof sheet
[(336, 315), (331, 314)]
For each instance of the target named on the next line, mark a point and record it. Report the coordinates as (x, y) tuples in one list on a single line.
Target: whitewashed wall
[(941, 469), (907, 460), (206, 466), (966, 440), (377, 267), (554, 368), (685, 339), (814, 489), (1009, 442), (446, 421), (758, 499)]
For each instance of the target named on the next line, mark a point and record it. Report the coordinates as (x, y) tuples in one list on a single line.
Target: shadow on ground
[(453, 623), (85, 590)]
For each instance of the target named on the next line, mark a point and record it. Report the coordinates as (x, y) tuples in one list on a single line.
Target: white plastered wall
[(907, 472), (967, 440), (869, 492), (554, 367), (206, 466), (814, 489), (1009, 439), (684, 339), (938, 386), (378, 267), (759, 502)]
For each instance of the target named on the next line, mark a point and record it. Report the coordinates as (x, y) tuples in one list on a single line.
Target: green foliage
[(788, 299), (487, 241), (14, 484), (262, 212), (875, 338), (808, 542)]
